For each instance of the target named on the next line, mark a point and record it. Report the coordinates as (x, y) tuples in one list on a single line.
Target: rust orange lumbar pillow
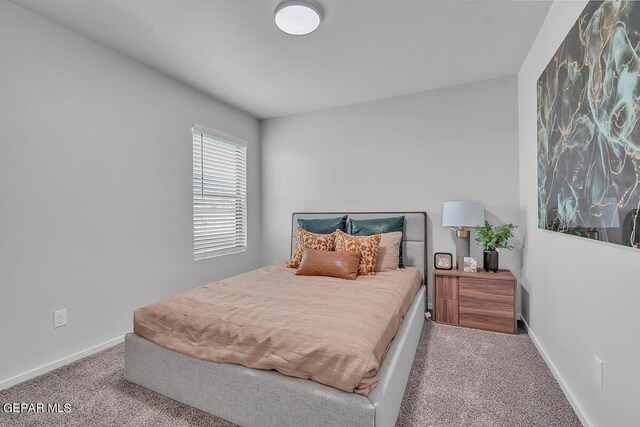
[(343, 265), (367, 246), (308, 240)]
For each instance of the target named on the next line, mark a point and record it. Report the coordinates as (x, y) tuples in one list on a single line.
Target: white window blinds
[(219, 194)]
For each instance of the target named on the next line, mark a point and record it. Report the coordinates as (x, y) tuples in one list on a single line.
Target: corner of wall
[(574, 286)]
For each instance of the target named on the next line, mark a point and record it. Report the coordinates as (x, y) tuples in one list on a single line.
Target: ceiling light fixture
[(298, 17)]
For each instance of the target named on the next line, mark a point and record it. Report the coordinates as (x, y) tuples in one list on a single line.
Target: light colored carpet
[(460, 377), (467, 377)]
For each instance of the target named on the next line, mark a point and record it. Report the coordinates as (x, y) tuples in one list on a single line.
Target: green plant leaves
[(491, 238)]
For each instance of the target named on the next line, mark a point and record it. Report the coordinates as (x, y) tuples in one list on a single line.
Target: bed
[(258, 397)]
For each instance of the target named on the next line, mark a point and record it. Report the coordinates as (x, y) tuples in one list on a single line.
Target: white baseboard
[(58, 363), (563, 385)]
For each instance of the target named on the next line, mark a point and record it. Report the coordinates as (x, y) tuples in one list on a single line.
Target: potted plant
[(491, 238)]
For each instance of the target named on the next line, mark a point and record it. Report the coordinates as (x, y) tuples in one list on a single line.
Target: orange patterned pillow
[(308, 240), (367, 246)]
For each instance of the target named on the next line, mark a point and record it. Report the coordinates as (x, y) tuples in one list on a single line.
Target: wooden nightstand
[(476, 300)]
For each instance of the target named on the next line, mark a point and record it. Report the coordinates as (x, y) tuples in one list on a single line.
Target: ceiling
[(363, 50)]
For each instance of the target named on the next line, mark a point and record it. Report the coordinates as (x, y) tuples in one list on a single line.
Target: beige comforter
[(329, 330)]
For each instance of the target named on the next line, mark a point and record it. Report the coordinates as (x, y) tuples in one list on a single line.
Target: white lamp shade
[(462, 214)]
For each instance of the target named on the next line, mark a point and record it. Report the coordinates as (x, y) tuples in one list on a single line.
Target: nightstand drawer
[(475, 307), (499, 324), (486, 291), (446, 287)]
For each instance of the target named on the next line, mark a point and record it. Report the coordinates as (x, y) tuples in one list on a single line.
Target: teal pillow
[(324, 225), (368, 227)]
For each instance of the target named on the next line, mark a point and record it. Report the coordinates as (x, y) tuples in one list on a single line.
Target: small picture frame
[(442, 261), (470, 265)]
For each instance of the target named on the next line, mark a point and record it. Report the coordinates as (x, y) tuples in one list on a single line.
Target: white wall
[(405, 153), (95, 190), (583, 294)]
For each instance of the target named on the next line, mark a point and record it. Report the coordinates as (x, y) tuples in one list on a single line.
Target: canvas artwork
[(588, 128)]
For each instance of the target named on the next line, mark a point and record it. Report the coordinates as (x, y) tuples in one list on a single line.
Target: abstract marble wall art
[(589, 129)]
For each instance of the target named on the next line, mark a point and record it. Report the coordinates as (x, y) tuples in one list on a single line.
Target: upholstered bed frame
[(251, 397)]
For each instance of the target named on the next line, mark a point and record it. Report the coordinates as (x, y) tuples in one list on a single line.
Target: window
[(219, 194)]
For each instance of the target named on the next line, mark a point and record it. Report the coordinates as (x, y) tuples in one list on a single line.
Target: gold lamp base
[(463, 232), (462, 246)]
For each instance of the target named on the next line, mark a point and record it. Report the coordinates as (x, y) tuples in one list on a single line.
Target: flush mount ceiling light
[(298, 17)]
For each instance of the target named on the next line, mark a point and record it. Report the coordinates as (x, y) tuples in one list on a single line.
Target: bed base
[(252, 397)]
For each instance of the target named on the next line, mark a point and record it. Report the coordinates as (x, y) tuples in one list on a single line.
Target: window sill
[(219, 253)]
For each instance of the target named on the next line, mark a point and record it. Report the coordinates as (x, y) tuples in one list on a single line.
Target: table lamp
[(458, 215)]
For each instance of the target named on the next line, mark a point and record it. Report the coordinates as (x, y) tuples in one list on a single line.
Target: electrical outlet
[(598, 371), (59, 318)]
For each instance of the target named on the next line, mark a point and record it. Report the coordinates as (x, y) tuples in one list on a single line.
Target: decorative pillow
[(389, 251), (308, 240), (368, 227), (324, 225), (343, 265), (367, 246)]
